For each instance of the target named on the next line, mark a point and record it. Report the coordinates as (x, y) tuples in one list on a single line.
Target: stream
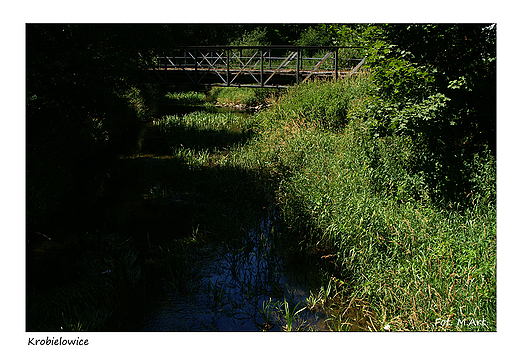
[(231, 290), (211, 264)]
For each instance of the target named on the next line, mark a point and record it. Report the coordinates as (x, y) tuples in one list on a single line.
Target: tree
[(438, 84), (464, 60), (85, 106)]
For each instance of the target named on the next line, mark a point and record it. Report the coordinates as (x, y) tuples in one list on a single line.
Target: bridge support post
[(196, 64), (336, 63), (261, 67), (227, 67), (298, 59), (165, 61)]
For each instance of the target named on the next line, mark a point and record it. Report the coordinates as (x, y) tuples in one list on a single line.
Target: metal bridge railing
[(263, 66)]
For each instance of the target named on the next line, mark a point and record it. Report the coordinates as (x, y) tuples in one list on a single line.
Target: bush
[(325, 104), (367, 202)]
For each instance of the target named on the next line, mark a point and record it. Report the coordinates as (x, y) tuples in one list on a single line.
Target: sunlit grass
[(183, 98), (410, 261), (241, 96), (391, 256)]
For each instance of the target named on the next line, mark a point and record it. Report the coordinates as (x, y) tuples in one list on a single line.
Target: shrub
[(325, 104), (367, 201)]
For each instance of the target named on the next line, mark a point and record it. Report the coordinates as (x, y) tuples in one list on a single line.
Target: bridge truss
[(253, 66)]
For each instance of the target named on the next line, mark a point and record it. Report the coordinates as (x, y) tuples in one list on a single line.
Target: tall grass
[(182, 98), (362, 199), (242, 96), (203, 136), (325, 104)]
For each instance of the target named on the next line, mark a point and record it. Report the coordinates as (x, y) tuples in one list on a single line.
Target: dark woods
[(86, 103)]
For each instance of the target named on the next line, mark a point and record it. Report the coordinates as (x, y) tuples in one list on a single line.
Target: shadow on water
[(211, 247), (230, 288)]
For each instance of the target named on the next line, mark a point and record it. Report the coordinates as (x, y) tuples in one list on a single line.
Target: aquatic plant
[(185, 98), (268, 308), (291, 315)]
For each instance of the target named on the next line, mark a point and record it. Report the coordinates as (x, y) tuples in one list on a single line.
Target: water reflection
[(215, 262), (233, 289)]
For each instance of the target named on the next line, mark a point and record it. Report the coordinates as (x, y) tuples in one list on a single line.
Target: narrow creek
[(215, 257)]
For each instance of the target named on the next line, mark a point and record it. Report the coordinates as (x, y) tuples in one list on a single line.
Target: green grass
[(354, 203), (184, 98), (241, 96), (225, 96), (200, 138), (326, 104), (412, 261)]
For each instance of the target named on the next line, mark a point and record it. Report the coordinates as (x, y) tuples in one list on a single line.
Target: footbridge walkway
[(253, 66)]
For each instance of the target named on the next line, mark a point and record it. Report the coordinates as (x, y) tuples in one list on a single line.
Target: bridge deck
[(258, 66)]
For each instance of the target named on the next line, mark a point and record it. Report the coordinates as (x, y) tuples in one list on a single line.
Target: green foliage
[(241, 96), (393, 174), (366, 37), (398, 79), (432, 87), (405, 98), (356, 35), (182, 98), (256, 36), (315, 35), (85, 107), (462, 59), (323, 103), (369, 201)]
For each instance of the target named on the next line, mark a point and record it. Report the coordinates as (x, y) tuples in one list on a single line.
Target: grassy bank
[(388, 250), (241, 96), (158, 215), (355, 203), (233, 97)]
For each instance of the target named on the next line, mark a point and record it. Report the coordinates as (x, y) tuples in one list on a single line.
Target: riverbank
[(306, 186), (181, 228), (394, 247)]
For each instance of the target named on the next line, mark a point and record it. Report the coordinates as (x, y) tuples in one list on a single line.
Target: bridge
[(253, 66)]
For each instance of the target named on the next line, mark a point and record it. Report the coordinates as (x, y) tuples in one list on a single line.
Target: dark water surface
[(229, 290), (211, 264)]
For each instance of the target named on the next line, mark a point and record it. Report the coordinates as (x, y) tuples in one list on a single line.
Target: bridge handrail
[(261, 63), (281, 46)]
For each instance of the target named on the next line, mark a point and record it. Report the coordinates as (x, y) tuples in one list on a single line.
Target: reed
[(185, 98), (414, 260)]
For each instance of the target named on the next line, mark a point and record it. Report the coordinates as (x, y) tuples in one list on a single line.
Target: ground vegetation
[(386, 180)]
